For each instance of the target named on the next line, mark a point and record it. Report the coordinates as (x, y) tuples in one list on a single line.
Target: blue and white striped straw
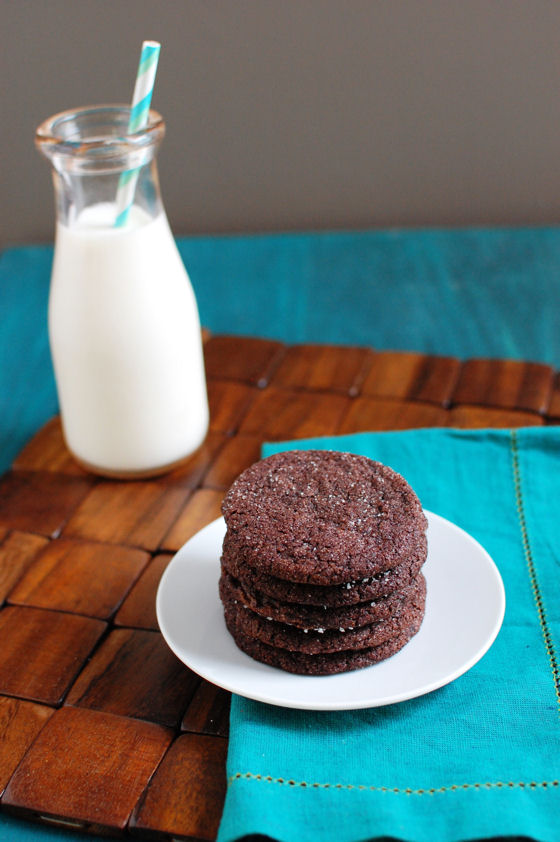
[(141, 100)]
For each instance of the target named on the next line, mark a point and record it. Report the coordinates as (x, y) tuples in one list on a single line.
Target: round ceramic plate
[(464, 611)]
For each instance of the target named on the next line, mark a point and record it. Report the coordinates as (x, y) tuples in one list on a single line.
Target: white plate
[(464, 611)]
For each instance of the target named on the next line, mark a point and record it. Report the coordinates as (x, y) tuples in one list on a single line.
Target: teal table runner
[(477, 758)]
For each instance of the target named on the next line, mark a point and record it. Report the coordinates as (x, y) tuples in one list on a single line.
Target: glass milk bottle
[(124, 329)]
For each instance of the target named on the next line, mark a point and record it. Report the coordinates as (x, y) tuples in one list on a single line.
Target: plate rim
[(179, 559)]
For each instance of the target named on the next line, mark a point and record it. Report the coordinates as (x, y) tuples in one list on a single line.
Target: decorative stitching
[(539, 602), (249, 776)]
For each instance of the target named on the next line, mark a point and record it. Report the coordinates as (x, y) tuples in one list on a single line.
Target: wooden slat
[(411, 376), (191, 472), (323, 368), (20, 722), (139, 608), (40, 502), (237, 454), (509, 384), (137, 514), (554, 407), (17, 553), (186, 796), (372, 414), (208, 712), (47, 451), (202, 508), (88, 766), (80, 577), (241, 358), (115, 679), (285, 413), (228, 402), (43, 651), (472, 417)]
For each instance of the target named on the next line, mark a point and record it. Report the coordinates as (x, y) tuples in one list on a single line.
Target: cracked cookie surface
[(323, 517)]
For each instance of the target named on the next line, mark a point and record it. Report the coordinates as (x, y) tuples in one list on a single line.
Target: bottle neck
[(97, 163), (81, 199)]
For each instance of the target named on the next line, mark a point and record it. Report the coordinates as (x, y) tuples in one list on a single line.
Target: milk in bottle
[(124, 329)]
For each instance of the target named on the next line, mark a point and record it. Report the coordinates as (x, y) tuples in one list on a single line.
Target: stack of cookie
[(321, 561)]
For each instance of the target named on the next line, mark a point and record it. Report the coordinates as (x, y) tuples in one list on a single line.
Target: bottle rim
[(65, 133)]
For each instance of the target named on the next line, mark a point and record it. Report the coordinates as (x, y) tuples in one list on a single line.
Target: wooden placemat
[(103, 728)]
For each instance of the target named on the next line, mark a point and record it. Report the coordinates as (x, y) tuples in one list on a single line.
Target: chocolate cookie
[(347, 593), (323, 517), (312, 617), (324, 664), (322, 640)]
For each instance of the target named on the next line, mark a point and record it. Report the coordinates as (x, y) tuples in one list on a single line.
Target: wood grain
[(20, 722), (330, 368), (289, 414), (88, 766), (246, 359), (139, 608), (47, 451), (17, 553), (137, 514), (509, 384), (186, 795), (135, 674), (202, 508), (375, 414), (208, 712), (237, 454), (193, 470), (43, 651), (411, 376), (554, 406), (228, 402), (80, 577), (40, 502), (472, 417)]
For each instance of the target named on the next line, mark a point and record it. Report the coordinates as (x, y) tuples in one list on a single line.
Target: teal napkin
[(477, 758)]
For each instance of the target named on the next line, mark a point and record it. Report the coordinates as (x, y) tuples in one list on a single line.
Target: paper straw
[(141, 100)]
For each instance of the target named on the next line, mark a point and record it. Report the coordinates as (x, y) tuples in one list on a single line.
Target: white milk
[(126, 346)]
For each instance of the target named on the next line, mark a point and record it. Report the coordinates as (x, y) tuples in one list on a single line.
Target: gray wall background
[(301, 114)]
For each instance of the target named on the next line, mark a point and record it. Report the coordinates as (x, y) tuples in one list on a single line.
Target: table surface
[(104, 728)]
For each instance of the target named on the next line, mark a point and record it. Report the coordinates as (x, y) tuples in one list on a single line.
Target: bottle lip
[(99, 130)]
